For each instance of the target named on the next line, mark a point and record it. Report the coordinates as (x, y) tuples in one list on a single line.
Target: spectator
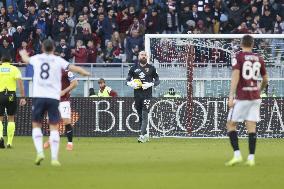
[(105, 91), (255, 29), (117, 41), (190, 26), (92, 52), (45, 4), (37, 37), (217, 15), (152, 22), (117, 46), (85, 11), (109, 53), (134, 44), (242, 29), (83, 27), (60, 28), (70, 22), (23, 5), (278, 44), (59, 10), (123, 21), (40, 23), (92, 92), (136, 26), (109, 25), (3, 17), (279, 25), (235, 12), (172, 19), (143, 16), (28, 49), (115, 21), (10, 28), (131, 12), (98, 26), (93, 6), (266, 21), (19, 36), (207, 17), (32, 14), (201, 27), (6, 36), (184, 16), (151, 5), (254, 11), (12, 15), (26, 22), (195, 15), (63, 50), (80, 53), (7, 48)]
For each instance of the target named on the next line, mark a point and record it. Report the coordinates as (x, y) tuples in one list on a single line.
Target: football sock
[(144, 122), (234, 141), (252, 143), (1, 129), (37, 138), (10, 132), (69, 132), (54, 144)]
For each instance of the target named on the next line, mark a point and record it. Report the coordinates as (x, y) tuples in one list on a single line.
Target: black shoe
[(9, 146), (2, 145)]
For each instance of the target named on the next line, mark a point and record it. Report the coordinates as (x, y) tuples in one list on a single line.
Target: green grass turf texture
[(122, 163)]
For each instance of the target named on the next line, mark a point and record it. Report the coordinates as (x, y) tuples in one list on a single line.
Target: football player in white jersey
[(46, 95)]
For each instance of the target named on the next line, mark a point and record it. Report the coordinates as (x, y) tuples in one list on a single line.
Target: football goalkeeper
[(142, 77)]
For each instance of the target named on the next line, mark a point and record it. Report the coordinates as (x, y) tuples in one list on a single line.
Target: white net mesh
[(208, 59)]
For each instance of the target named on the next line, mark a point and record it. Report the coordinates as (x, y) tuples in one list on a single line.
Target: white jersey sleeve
[(64, 64), (47, 75)]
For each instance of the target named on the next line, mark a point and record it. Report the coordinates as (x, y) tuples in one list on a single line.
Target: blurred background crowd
[(112, 31)]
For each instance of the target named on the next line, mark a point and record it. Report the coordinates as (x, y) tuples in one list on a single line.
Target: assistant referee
[(9, 75)]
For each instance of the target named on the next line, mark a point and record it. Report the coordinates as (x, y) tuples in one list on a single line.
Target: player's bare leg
[(251, 128), (54, 144), (233, 135), (2, 144), (69, 133), (38, 142)]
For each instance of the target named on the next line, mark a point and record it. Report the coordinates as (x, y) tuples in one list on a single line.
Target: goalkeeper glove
[(147, 85), (132, 84)]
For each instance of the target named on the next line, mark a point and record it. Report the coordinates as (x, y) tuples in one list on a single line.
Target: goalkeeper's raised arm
[(142, 77)]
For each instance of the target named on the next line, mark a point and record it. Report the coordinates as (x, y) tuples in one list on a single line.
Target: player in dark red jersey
[(68, 83), (244, 99)]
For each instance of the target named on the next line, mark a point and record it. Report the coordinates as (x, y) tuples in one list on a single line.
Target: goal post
[(191, 57)]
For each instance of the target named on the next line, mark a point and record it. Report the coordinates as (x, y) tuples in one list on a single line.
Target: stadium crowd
[(112, 31)]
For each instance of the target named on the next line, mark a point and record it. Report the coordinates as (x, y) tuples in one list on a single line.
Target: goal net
[(198, 68)]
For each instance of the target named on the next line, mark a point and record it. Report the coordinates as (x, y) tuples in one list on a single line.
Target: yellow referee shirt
[(9, 75)]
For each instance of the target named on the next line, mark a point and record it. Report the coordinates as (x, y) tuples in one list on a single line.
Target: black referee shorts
[(8, 101)]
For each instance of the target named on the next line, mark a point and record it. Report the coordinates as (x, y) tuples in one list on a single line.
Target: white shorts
[(245, 110), (65, 110)]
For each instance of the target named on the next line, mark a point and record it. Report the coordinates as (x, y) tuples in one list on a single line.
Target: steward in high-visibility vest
[(172, 94), (104, 90), (263, 95)]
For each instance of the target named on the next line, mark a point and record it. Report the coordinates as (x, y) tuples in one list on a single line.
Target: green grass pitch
[(122, 163)]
